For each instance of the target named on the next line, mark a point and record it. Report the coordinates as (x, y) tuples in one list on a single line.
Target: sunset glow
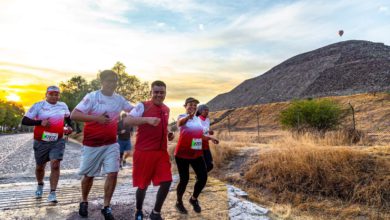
[(199, 48), (13, 97)]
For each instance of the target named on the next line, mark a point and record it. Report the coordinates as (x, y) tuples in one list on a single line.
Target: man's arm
[(182, 121), (135, 121), (30, 122), (135, 117), (208, 138), (82, 117)]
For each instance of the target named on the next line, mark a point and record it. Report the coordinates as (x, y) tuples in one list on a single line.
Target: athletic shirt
[(189, 145), (151, 137), (128, 129), (95, 103), (55, 113), (206, 127)]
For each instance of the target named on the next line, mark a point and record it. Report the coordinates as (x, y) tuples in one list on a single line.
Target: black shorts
[(47, 151)]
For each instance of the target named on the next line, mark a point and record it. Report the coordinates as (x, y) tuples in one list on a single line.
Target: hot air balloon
[(341, 32)]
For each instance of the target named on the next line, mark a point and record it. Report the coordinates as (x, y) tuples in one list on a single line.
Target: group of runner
[(100, 111)]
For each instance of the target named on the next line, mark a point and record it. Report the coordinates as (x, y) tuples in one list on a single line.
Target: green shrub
[(321, 115)]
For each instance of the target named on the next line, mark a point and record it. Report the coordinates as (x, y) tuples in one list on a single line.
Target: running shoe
[(154, 216), (180, 207), (139, 215), (83, 211), (52, 197), (107, 213), (195, 205), (39, 192)]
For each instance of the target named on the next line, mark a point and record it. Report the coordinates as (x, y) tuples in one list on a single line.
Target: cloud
[(201, 27), (182, 6), (58, 39), (161, 24), (383, 8)]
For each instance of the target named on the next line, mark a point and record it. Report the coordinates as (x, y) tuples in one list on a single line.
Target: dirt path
[(17, 186)]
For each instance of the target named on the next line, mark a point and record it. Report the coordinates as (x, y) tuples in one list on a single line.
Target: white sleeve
[(33, 111), (127, 107), (181, 116), (138, 111), (86, 104)]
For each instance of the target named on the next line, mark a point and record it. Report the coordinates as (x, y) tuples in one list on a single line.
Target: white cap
[(52, 89)]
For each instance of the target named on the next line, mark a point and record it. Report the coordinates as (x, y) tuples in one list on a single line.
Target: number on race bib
[(49, 137), (196, 144)]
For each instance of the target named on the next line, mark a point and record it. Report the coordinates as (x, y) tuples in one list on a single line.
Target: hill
[(343, 68)]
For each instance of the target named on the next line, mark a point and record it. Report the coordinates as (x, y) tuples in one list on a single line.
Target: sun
[(13, 97)]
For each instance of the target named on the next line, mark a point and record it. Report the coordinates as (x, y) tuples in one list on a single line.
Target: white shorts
[(93, 158)]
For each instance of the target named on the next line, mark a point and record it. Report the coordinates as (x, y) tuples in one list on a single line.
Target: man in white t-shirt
[(48, 118), (100, 110)]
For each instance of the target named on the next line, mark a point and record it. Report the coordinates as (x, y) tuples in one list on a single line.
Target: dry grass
[(372, 114), (250, 137), (342, 137), (299, 169), (310, 176), (224, 152)]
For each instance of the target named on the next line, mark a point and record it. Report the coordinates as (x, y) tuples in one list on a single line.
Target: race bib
[(196, 144), (47, 136)]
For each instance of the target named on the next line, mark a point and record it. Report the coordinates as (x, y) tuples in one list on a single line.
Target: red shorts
[(151, 166)]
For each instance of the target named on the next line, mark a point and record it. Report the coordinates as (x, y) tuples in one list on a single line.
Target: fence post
[(258, 125), (229, 124), (353, 116)]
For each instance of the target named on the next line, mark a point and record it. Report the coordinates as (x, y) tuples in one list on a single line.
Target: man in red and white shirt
[(100, 110), (48, 118), (151, 159)]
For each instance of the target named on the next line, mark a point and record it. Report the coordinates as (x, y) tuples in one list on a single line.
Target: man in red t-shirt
[(151, 159)]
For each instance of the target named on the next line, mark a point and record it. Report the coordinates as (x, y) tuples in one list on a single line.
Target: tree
[(74, 90), (321, 115), (11, 114), (129, 86), (2, 111), (95, 84)]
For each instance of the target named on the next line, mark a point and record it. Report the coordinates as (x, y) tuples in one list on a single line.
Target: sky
[(199, 48)]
